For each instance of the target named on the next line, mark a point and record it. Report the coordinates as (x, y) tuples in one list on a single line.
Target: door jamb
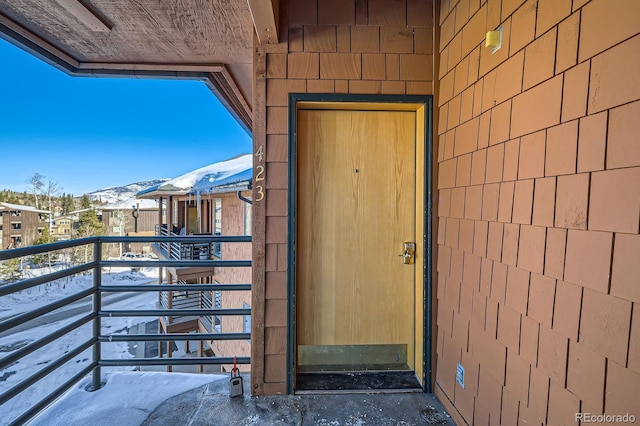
[(427, 101)]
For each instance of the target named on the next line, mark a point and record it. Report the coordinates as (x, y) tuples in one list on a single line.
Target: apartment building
[(21, 225), (213, 200), (130, 218), (62, 227)]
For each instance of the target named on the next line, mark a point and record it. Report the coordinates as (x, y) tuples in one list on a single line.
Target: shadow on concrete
[(211, 405)]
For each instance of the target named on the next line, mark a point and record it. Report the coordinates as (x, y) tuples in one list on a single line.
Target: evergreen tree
[(85, 202), (10, 271), (89, 225), (68, 204), (44, 238), (26, 199)]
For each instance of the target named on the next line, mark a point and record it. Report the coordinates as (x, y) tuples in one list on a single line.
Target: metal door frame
[(427, 263)]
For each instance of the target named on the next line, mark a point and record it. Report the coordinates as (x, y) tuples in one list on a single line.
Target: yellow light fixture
[(493, 40)]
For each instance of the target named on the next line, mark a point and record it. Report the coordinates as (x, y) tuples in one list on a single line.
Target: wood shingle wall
[(539, 191), (336, 46)]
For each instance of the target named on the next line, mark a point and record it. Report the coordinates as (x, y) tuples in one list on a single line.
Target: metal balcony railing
[(187, 249), (97, 336), (180, 299)]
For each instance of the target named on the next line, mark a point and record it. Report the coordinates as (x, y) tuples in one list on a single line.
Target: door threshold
[(356, 391), (364, 381)]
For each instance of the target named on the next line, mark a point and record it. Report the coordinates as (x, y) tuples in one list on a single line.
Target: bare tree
[(52, 190), (120, 220), (37, 183)]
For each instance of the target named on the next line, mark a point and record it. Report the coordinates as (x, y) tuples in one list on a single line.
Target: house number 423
[(260, 174)]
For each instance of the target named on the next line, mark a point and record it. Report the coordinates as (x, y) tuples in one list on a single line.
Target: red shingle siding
[(557, 303)]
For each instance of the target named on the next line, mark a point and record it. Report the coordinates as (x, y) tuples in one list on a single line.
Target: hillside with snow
[(119, 194)]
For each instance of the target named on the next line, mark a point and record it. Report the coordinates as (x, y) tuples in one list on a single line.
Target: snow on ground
[(31, 298), (126, 399), (35, 297)]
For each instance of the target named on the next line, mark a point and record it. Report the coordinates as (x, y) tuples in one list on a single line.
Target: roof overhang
[(211, 42)]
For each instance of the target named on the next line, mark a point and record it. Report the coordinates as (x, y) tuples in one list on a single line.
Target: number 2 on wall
[(260, 173)]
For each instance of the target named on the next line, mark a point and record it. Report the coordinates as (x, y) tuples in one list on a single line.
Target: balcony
[(190, 301), (189, 247), (134, 397)]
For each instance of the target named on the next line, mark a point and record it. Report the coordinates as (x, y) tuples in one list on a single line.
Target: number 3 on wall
[(260, 192)]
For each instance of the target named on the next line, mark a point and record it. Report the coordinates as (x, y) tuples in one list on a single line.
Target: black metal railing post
[(96, 381)]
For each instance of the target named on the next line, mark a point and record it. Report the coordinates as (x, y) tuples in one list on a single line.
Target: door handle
[(409, 255)]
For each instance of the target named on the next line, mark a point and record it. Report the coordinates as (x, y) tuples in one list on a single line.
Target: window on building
[(16, 213), (217, 225), (16, 225), (175, 207), (248, 220), (217, 304), (246, 321)]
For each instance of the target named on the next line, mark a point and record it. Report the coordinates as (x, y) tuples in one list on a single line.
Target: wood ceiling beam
[(86, 15), (264, 14), (120, 66)]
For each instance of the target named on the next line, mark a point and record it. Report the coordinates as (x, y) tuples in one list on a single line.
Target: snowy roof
[(206, 179), (9, 206), (80, 211), (213, 183), (130, 204)]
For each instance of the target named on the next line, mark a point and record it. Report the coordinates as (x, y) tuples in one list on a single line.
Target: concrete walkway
[(210, 405)]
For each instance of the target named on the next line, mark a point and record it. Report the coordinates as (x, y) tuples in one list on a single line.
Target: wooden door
[(192, 220), (355, 299)]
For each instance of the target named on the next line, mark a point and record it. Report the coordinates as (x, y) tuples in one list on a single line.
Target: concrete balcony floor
[(211, 405)]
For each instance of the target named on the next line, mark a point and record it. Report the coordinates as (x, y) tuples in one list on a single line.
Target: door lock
[(409, 255)]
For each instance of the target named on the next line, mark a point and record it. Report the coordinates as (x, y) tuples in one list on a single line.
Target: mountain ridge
[(118, 194)]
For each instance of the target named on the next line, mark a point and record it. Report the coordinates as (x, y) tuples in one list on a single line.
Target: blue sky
[(90, 133)]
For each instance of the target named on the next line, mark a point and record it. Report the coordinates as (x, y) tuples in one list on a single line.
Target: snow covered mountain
[(118, 194)]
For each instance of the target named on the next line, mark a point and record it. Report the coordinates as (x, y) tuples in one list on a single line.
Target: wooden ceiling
[(211, 40)]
